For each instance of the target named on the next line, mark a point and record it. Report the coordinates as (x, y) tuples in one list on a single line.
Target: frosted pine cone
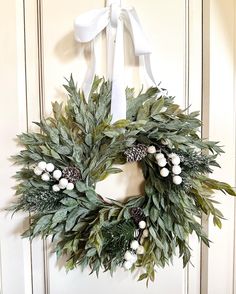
[(72, 174), (136, 153)]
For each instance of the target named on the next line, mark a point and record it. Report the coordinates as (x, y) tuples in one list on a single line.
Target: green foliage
[(92, 232), (116, 239)]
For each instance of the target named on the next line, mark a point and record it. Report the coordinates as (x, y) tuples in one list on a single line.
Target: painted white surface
[(177, 65), (222, 128), (14, 252)]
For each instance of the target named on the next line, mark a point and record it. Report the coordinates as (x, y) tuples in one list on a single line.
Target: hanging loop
[(90, 24)]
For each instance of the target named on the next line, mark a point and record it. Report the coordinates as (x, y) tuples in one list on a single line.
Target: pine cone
[(136, 153), (72, 174), (137, 214)]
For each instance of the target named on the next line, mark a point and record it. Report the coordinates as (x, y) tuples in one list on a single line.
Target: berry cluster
[(48, 172), (135, 246), (172, 159)]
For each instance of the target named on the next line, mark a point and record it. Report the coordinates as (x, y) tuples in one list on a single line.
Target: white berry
[(171, 155), (70, 186), (145, 233), (127, 265), (151, 149), (159, 156), (38, 171), (134, 258), (177, 180), (134, 245), (55, 188), (128, 255), (140, 250), (50, 167), (142, 225), (63, 183), (164, 172), (45, 177), (175, 160), (57, 174), (162, 162), (176, 169), (42, 165)]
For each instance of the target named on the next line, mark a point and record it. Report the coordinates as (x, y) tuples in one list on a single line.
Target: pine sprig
[(194, 162), (116, 239), (40, 201)]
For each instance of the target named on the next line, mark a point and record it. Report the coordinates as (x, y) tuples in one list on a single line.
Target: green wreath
[(79, 147)]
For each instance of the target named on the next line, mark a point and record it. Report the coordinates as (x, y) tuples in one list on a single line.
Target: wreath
[(79, 146)]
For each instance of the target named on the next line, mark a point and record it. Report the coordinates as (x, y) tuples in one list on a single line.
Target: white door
[(38, 50)]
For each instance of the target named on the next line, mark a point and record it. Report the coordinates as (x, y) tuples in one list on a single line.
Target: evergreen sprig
[(40, 201), (116, 239)]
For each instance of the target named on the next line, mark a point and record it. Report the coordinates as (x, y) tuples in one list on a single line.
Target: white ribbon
[(90, 24)]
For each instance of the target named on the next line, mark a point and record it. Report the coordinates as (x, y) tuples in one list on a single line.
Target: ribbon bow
[(113, 18)]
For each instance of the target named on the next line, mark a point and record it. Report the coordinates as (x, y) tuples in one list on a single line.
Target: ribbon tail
[(148, 67), (141, 45), (86, 27), (111, 39), (134, 27), (118, 97), (90, 74)]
